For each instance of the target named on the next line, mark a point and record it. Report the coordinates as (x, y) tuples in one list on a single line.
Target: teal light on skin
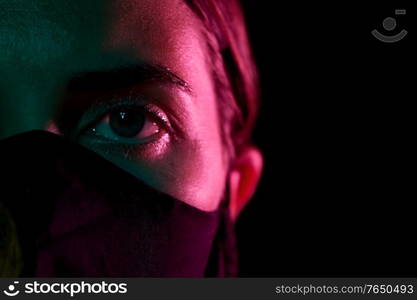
[(41, 44), (45, 43)]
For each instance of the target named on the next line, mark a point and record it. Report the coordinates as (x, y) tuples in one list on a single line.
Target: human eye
[(130, 124)]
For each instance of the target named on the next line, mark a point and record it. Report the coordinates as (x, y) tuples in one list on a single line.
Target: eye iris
[(127, 123)]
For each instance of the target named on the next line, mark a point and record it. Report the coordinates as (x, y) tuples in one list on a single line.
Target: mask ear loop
[(223, 260)]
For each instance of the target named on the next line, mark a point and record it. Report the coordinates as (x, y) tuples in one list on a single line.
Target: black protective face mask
[(67, 212)]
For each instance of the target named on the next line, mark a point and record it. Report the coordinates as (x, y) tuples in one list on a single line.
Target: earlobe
[(244, 178)]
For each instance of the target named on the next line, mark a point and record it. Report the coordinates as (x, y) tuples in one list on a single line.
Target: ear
[(243, 179)]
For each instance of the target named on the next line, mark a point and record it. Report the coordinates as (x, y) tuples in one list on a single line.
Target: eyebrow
[(125, 77)]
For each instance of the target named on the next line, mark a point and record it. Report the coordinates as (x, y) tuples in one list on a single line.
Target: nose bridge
[(24, 108)]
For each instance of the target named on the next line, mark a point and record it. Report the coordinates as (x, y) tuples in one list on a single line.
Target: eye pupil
[(127, 123)]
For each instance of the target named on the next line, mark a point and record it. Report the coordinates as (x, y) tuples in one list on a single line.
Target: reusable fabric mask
[(67, 212)]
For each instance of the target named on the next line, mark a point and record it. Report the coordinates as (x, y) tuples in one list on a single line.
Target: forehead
[(81, 34)]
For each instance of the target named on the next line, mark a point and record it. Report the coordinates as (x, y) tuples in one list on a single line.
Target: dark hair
[(234, 71)]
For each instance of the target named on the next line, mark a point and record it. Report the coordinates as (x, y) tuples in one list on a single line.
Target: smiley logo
[(390, 24), (11, 290)]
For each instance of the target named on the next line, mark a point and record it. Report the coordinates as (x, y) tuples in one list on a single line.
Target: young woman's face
[(128, 79)]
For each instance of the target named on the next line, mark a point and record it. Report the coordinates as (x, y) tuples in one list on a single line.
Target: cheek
[(195, 174), (203, 166)]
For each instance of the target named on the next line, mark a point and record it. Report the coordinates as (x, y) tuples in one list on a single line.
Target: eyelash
[(98, 111)]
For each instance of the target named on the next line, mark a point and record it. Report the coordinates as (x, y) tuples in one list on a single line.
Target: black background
[(336, 129)]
